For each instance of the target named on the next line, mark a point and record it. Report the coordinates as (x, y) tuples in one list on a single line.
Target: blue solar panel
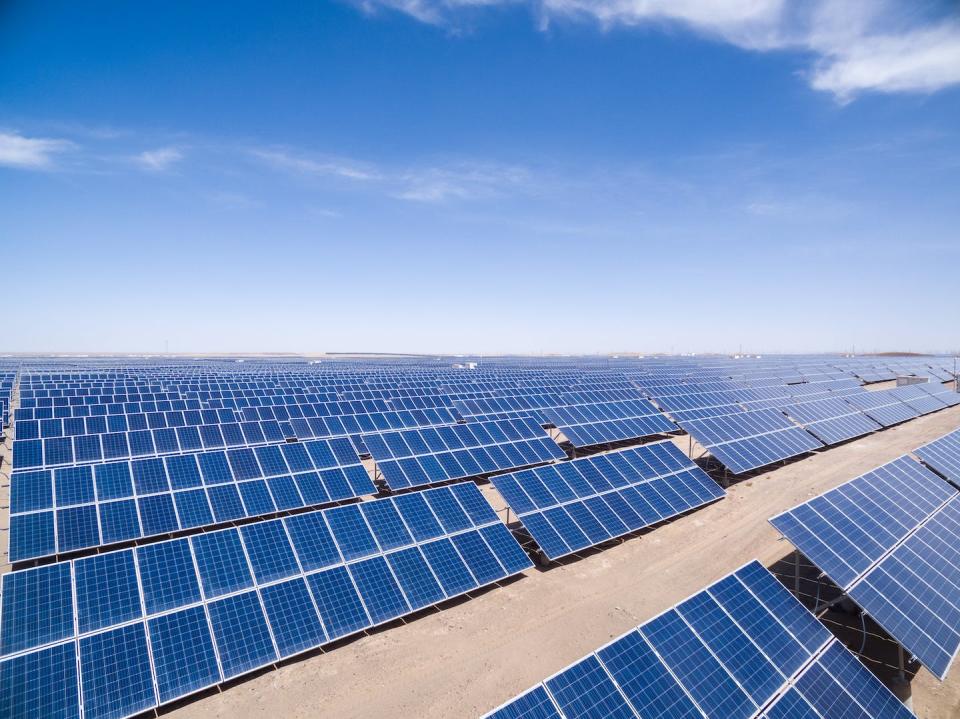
[(339, 603), (247, 596), (293, 617), (241, 633), (418, 457), (883, 407), (221, 563), (888, 539), (589, 424), (183, 656), (845, 530), (115, 674), (831, 420), (749, 440), (41, 684), (943, 455), (176, 492), (167, 576), (37, 607), (106, 591), (577, 504), (742, 647), (535, 704)]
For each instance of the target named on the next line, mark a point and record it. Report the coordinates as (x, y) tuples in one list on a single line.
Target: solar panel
[(72, 508), (917, 398), (945, 394), (417, 457), (589, 424), (569, 506), (943, 455), (888, 539), (831, 420), (844, 531), (216, 605), (883, 407), (749, 440), (743, 647)]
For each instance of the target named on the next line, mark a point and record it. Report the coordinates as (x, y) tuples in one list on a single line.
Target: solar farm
[(507, 537)]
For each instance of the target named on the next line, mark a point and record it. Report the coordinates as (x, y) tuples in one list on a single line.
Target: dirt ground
[(474, 654)]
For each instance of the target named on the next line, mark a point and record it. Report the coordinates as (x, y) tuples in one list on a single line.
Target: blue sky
[(480, 175)]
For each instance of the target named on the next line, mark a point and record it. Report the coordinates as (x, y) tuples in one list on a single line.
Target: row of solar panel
[(585, 435), (157, 623), (62, 530), (474, 461), (831, 420), (280, 412), (422, 456), (944, 456), (101, 424), (415, 442), (71, 508), (252, 431), (83, 448), (573, 505), (742, 647), (888, 539), (525, 401), (32, 399), (748, 440), (353, 424)]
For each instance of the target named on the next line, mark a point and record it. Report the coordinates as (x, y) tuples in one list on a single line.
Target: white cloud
[(919, 61), (463, 181), (291, 161), (30, 153), (160, 159), (856, 45)]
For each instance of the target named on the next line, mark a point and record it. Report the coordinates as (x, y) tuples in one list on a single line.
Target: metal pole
[(796, 572)]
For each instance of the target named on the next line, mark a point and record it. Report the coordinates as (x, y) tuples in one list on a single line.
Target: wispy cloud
[(462, 181), (159, 160), (299, 162), (435, 182), (856, 46), (30, 153)]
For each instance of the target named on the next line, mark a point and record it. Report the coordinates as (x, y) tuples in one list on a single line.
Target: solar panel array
[(111, 450), (831, 420), (947, 395), (417, 457), (54, 511), (751, 439), (943, 455), (118, 633), (883, 407), (589, 424), (888, 539), (915, 397), (573, 505), (743, 647)]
